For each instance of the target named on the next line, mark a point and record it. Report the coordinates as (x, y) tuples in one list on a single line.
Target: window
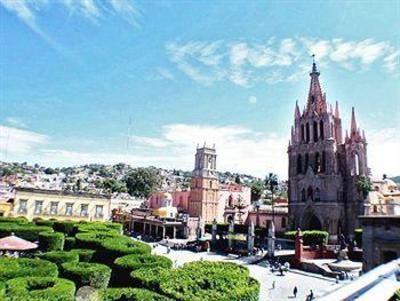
[(317, 163), (307, 133), (38, 207), (303, 195), (315, 131), (306, 163), (68, 209), (283, 222), (310, 193), (211, 184), (84, 210), (302, 133), (321, 130), (356, 165), (53, 208), (317, 194), (99, 211), (23, 206), (299, 164), (323, 164)]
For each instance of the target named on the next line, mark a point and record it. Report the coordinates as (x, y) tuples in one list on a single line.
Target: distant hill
[(396, 179)]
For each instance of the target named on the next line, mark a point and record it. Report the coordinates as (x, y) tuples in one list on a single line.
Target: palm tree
[(271, 181), (364, 186)]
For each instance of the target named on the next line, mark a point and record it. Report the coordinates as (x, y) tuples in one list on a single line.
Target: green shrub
[(66, 227), (310, 237), (60, 257), (24, 267), (17, 220), (51, 241), (358, 237), (85, 255), (69, 243), (40, 289), (26, 230), (92, 240), (82, 273), (44, 222), (131, 294), (202, 280), (118, 246), (100, 227), (124, 265), (2, 290)]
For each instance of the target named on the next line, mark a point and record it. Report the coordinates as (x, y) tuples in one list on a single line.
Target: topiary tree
[(60, 257), (132, 294), (40, 289), (364, 186), (51, 241), (82, 273), (23, 267), (85, 255)]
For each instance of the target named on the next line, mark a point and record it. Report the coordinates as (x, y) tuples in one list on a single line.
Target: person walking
[(273, 284), (295, 291), (311, 295)]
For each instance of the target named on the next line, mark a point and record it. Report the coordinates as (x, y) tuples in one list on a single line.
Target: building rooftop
[(63, 193)]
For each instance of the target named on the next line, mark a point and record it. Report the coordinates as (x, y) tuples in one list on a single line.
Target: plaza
[(284, 285)]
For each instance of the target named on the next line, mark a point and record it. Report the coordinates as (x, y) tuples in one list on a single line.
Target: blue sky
[(227, 72)]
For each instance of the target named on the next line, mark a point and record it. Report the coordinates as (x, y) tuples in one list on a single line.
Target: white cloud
[(252, 100), (165, 73), (13, 140), (383, 152), (245, 64), (15, 121)]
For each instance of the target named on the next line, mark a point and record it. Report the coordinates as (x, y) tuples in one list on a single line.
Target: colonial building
[(323, 167), (203, 200), (60, 205)]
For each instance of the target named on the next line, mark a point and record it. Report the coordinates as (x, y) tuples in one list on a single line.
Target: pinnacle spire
[(297, 111), (316, 100), (353, 129), (337, 110)]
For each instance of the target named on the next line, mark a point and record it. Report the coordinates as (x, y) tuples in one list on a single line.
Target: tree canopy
[(142, 182)]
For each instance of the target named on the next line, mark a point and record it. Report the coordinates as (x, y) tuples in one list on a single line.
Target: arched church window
[(302, 133), (306, 163), (317, 163), (321, 130), (230, 201), (317, 194), (315, 131), (211, 184), (356, 164), (307, 132), (323, 162), (310, 193), (303, 195), (299, 164), (312, 99)]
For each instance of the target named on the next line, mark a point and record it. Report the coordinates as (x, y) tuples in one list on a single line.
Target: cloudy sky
[(144, 82)]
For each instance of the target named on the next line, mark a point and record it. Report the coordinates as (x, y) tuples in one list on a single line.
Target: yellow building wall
[(5, 209), (62, 200)]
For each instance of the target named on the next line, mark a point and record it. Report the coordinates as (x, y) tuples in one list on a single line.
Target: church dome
[(166, 212)]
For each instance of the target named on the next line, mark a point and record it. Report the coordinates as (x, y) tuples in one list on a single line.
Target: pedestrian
[(311, 295), (295, 291), (273, 284)]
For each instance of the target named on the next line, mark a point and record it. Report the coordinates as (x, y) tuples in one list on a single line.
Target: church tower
[(324, 170), (203, 201)]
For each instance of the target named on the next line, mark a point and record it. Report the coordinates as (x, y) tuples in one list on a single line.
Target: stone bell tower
[(203, 201)]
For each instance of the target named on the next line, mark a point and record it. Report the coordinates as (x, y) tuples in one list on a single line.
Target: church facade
[(324, 167)]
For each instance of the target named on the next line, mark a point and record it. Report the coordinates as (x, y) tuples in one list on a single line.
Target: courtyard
[(283, 285)]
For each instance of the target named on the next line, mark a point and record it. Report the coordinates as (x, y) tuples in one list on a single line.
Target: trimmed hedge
[(60, 257), (26, 231), (201, 280), (99, 227), (92, 240), (51, 241), (131, 294), (2, 290), (310, 237), (66, 227), (358, 237), (40, 289), (24, 267), (44, 222), (82, 273), (85, 255), (126, 264), (18, 220), (69, 243)]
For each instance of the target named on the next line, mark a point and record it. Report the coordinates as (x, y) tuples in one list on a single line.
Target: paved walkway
[(283, 284)]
